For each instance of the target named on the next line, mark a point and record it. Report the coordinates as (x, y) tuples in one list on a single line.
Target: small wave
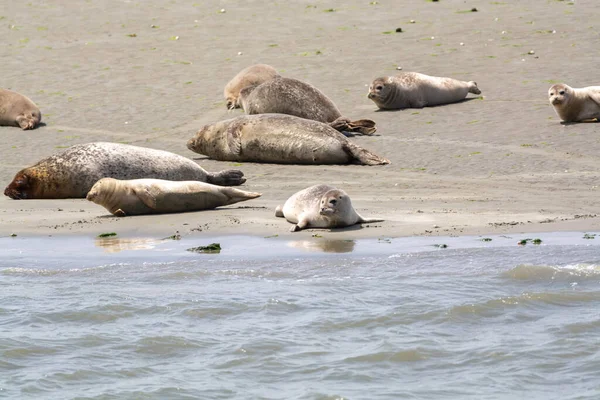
[(19, 271), (393, 356), (553, 273)]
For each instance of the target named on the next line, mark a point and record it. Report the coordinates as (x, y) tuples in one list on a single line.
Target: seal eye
[(379, 87), (561, 92)]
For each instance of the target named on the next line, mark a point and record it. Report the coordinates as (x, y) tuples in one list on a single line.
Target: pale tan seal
[(575, 105), (73, 172), (415, 90), (250, 76), (320, 206), (281, 139), (18, 110), (294, 97), (158, 196)]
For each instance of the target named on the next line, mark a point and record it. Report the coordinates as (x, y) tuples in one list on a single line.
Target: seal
[(575, 104), (157, 196), (281, 139), (251, 76), (415, 90), (320, 206), (293, 97), (72, 173), (18, 110)]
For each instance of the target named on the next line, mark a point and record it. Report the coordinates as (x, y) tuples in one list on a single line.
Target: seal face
[(18, 110), (279, 138), (293, 97), (415, 90), (72, 173), (156, 196), (320, 206), (575, 105), (251, 76)]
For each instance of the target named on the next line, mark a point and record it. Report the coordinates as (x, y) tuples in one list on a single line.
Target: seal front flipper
[(146, 196), (363, 156), (302, 224), (362, 126), (119, 213), (228, 177)]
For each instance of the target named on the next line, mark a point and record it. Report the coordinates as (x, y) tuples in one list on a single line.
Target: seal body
[(278, 138), (415, 90), (320, 206), (157, 196), (575, 105), (18, 110), (250, 76), (72, 173), (293, 97)]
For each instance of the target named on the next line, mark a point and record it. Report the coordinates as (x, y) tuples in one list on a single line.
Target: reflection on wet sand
[(115, 245), (327, 246)]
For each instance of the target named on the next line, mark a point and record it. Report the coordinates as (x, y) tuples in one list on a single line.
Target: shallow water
[(84, 318)]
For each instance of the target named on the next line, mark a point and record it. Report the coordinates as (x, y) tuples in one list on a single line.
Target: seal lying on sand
[(320, 206), (575, 105), (251, 76), (294, 97), (278, 138), (18, 110), (415, 90), (157, 196), (73, 172)]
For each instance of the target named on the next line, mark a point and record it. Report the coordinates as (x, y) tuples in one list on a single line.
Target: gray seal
[(250, 76), (293, 97), (18, 110), (415, 90), (281, 139), (320, 206), (157, 196), (73, 172), (575, 105)]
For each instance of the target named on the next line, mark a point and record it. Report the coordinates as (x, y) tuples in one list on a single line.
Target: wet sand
[(152, 74)]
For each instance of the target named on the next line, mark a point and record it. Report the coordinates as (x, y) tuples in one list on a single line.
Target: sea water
[(272, 318)]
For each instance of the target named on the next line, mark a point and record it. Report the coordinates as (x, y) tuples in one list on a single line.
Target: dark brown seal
[(72, 173), (18, 110), (279, 138), (293, 97)]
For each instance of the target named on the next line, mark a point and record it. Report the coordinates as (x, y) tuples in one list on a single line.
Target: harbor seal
[(157, 196), (250, 76), (320, 206), (72, 173), (293, 97), (575, 105), (18, 110), (415, 90), (278, 138)]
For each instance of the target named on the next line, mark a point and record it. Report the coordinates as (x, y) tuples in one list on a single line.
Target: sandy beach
[(152, 73)]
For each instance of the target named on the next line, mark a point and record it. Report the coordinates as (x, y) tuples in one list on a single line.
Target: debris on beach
[(176, 236), (108, 234), (212, 248), (523, 242), (585, 235), (441, 246), (13, 235)]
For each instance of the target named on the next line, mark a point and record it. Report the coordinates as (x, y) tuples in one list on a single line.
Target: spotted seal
[(415, 90), (320, 206), (73, 172), (279, 138), (575, 105), (18, 110), (250, 76), (294, 97), (157, 196)]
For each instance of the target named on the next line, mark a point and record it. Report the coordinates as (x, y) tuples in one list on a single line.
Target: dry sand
[(151, 73)]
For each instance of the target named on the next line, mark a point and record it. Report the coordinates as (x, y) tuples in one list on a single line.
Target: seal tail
[(362, 126), (363, 156), (473, 88), (279, 212), (228, 177)]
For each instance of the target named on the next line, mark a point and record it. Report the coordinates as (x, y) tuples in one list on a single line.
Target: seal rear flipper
[(362, 126), (368, 220), (228, 177), (363, 156)]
